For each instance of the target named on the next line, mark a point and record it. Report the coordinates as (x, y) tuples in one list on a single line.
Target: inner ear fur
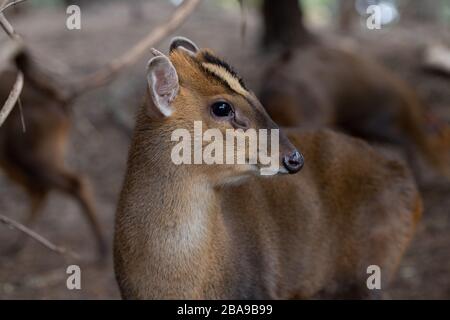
[(162, 79)]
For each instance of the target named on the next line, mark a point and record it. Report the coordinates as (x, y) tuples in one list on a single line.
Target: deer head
[(191, 87)]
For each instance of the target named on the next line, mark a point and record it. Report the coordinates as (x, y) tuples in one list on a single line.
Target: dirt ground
[(99, 142)]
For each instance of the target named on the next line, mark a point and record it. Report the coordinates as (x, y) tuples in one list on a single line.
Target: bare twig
[(6, 5), (35, 236), (12, 98), (18, 86), (4, 23), (107, 73)]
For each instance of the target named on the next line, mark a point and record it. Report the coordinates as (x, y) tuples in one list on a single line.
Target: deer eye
[(221, 109)]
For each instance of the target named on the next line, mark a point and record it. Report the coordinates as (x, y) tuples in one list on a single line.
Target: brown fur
[(184, 232), (316, 85), (35, 158)]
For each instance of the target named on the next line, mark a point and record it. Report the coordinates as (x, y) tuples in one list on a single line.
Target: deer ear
[(184, 44), (163, 85)]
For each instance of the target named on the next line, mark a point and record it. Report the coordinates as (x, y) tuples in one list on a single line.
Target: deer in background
[(35, 158), (222, 231), (358, 96), (313, 83)]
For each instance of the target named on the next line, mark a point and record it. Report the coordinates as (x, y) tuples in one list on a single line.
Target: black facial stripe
[(226, 84), (215, 76), (209, 58)]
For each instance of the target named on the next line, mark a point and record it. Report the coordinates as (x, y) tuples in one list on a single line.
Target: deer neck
[(169, 222), (171, 201)]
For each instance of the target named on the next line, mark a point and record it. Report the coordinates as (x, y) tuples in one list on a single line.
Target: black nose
[(293, 162)]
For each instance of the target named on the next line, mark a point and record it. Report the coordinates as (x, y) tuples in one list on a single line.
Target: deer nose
[(293, 162)]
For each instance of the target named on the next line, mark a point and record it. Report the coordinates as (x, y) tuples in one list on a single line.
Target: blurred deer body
[(186, 232), (35, 158), (316, 85)]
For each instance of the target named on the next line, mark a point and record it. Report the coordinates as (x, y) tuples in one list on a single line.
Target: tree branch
[(107, 73), (6, 5), (18, 85), (12, 98), (35, 236), (4, 23)]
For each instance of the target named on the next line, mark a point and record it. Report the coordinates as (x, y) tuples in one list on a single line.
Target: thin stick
[(12, 98), (6, 5), (18, 85), (107, 74), (4, 23), (46, 243)]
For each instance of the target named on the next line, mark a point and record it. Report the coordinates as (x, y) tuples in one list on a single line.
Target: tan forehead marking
[(223, 74)]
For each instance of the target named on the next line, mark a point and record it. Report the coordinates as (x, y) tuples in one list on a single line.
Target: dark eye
[(221, 109)]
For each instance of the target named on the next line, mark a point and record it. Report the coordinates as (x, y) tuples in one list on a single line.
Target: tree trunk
[(283, 24)]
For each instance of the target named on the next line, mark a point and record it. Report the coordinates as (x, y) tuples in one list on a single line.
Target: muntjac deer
[(211, 231), (36, 158), (318, 85)]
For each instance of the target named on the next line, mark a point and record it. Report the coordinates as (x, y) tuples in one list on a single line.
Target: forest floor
[(99, 141)]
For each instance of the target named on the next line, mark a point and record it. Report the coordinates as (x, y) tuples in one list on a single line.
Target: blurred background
[(103, 119)]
